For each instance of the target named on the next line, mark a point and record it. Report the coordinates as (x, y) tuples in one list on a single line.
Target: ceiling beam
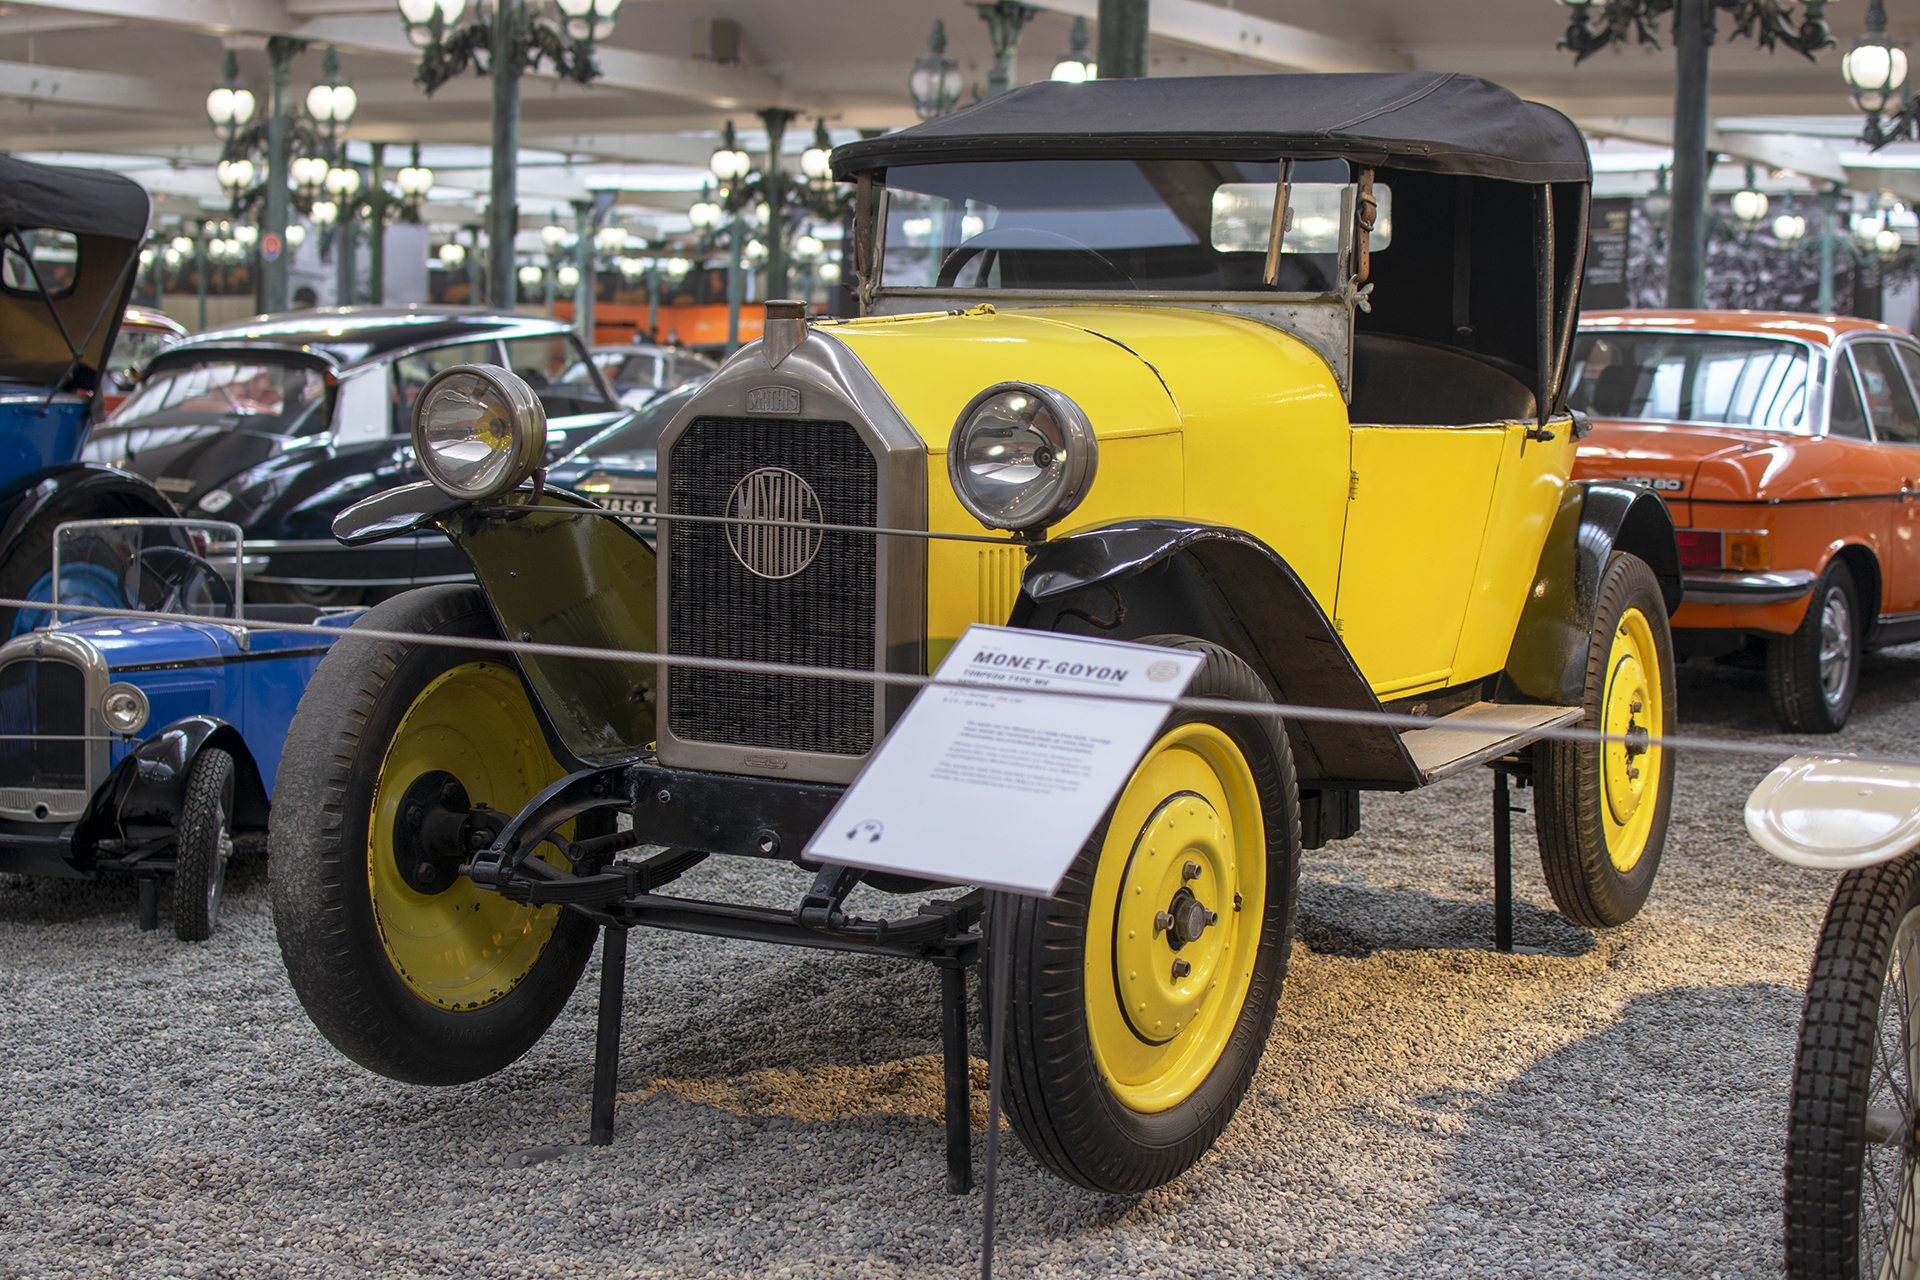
[(67, 86), (1274, 44), (1803, 155), (220, 17)]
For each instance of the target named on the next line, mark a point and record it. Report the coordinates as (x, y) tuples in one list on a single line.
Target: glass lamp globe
[(568, 277), (343, 182), (756, 252), (182, 244), (324, 213), (1887, 242), (1869, 228), (296, 235), (610, 239), (1874, 72), (453, 254), (816, 163), (678, 267), (1750, 206), (807, 248), (829, 273), (415, 181), (1788, 228), (531, 275)]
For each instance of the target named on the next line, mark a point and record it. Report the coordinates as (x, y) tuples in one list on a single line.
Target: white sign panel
[(999, 780)]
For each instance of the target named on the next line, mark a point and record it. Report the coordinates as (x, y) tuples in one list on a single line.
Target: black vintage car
[(280, 422)]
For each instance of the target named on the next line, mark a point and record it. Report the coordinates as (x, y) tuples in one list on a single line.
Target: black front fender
[(407, 509), (1548, 660), (148, 787), (1147, 577), (73, 491)]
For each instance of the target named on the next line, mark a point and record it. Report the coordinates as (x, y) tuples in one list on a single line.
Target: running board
[(1479, 733)]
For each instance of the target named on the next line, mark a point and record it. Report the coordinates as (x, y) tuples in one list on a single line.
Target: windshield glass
[(561, 375), (1691, 377), (253, 394), (632, 442), (134, 347), (1115, 224)]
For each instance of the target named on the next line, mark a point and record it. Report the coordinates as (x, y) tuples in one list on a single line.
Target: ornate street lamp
[(1789, 228), (816, 162), (415, 181), (1004, 19), (935, 81), (1887, 244), (1749, 204), (505, 39), (1875, 70), (1076, 67), (236, 179), (230, 104), (1594, 24), (331, 101), (309, 175)]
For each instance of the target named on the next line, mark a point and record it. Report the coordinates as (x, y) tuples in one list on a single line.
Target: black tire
[(1813, 673), (1600, 831), (1846, 1183), (345, 922), (1064, 1093), (203, 846)]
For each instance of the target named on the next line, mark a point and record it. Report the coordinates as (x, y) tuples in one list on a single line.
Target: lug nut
[(450, 794), (1190, 872), (1181, 968), (426, 873), (414, 814), (1162, 922)]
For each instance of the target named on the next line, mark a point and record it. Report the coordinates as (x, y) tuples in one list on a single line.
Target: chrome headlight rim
[(526, 431), (124, 707), (1082, 458)]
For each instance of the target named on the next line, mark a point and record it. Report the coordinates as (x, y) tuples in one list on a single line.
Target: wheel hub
[(1626, 703), (436, 830), (1166, 957)]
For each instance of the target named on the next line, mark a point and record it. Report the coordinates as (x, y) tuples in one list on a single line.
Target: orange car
[(1788, 447)]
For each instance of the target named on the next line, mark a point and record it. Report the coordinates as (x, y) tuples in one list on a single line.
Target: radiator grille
[(42, 697), (824, 615)]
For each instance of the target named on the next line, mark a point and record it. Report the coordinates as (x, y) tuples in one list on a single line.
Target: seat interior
[(1407, 382)]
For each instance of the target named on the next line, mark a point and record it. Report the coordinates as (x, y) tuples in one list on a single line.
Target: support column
[(1687, 226), (377, 227), (1122, 48), (344, 285), (776, 119), (736, 282), (1829, 213), (280, 55), (503, 213), (583, 259)]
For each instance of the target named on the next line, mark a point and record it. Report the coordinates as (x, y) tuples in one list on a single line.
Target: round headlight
[(1022, 456), (478, 431), (124, 708)]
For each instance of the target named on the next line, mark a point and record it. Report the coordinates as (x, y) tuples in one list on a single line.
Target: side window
[(545, 364), (1889, 401), (1847, 418), (410, 373)]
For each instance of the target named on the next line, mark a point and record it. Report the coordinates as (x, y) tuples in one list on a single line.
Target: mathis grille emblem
[(773, 550)]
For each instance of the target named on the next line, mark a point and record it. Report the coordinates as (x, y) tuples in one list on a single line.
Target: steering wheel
[(1002, 240), (167, 579)]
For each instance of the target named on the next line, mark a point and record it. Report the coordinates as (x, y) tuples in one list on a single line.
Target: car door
[(1895, 422), (1902, 446)]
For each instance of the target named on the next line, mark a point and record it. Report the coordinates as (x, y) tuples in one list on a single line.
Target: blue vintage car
[(148, 745), (69, 244)]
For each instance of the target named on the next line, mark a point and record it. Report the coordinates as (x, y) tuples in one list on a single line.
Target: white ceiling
[(122, 82)]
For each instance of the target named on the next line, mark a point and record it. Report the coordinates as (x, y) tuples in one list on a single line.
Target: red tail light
[(1699, 548)]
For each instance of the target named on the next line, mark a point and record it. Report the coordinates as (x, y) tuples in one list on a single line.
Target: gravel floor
[(1603, 1105)]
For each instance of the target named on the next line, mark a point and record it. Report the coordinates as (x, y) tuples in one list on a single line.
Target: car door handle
[(1539, 433)]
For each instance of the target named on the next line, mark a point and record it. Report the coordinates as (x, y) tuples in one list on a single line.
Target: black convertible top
[(1441, 122), (86, 202)]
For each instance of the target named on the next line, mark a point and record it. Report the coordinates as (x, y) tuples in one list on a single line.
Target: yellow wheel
[(1141, 995), (1601, 811), (405, 965), (455, 945)]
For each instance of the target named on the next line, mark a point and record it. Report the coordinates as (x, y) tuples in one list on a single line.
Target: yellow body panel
[(1533, 475), (1415, 523), (1221, 418), (1264, 431)]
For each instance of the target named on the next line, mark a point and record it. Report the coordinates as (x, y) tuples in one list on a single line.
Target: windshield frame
[(875, 291), (1813, 421)]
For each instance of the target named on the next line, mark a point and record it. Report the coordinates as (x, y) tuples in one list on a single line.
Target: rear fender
[(1137, 578), (148, 787), (1548, 660)]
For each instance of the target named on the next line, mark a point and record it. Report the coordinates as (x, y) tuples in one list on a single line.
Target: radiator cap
[(786, 329)]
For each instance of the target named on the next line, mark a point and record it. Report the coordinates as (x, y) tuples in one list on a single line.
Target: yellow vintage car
[(1267, 368)]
